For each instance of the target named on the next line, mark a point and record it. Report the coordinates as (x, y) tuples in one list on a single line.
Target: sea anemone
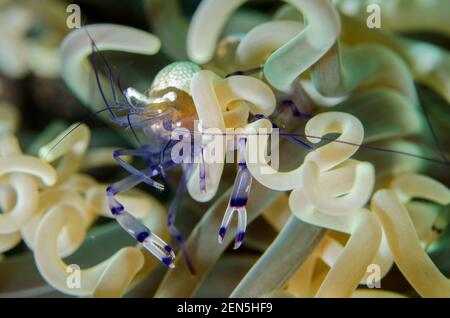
[(322, 125)]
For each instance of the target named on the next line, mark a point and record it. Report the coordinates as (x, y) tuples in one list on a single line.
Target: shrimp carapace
[(168, 104)]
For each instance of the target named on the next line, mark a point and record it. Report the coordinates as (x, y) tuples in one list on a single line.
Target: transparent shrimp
[(152, 117)]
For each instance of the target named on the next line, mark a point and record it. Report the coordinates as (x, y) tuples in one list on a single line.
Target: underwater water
[(215, 149)]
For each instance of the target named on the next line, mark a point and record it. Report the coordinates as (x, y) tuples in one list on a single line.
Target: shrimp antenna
[(296, 138), (398, 152), (132, 130), (109, 108), (433, 133), (110, 74), (172, 212), (128, 115), (89, 117), (95, 51)]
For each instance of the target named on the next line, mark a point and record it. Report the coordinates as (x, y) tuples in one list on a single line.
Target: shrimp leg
[(151, 242), (238, 199), (142, 153), (181, 189)]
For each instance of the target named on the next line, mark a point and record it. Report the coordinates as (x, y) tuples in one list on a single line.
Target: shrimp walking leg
[(150, 241), (139, 174)]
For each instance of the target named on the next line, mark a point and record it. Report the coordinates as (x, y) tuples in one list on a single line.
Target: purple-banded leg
[(202, 172), (172, 214), (151, 242), (146, 178), (238, 200), (161, 164)]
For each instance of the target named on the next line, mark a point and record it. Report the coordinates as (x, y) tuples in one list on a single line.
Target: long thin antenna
[(97, 78), (290, 135), (90, 116), (433, 133)]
